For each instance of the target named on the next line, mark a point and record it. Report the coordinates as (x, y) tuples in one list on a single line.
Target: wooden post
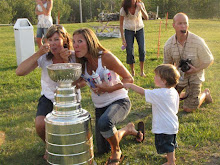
[(158, 49), (157, 12), (166, 20), (58, 17), (80, 11)]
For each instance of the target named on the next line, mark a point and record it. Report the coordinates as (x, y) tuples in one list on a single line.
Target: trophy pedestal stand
[(68, 131)]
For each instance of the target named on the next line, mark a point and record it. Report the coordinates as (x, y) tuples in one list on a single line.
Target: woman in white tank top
[(111, 102)]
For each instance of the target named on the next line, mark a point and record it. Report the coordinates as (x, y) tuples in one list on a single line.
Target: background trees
[(5, 12), (11, 10)]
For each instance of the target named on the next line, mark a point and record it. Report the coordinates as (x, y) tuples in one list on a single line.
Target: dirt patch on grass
[(212, 154), (2, 137)]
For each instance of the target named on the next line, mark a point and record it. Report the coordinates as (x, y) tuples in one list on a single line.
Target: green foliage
[(68, 10), (62, 9), (198, 136), (5, 12), (23, 9)]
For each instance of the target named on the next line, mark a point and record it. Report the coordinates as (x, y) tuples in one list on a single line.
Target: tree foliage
[(69, 12), (5, 12)]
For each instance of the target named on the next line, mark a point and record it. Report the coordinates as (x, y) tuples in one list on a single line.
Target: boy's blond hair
[(169, 73)]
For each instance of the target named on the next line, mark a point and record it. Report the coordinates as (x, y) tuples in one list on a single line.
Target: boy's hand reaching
[(134, 87), (126, 85)]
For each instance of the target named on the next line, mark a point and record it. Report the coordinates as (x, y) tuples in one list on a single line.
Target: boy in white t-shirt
[(165, 105)]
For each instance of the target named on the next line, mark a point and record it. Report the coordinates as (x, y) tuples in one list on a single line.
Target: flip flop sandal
[(141, 129), (112, 161)]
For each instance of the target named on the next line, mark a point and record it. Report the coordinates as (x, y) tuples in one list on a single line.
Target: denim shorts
[(165, 143), (44, 107), (41, 32)]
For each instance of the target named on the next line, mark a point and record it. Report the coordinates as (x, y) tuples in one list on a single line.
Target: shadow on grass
[(32, 156), (19, 101), (182, 113), (153, 59), (105, 38), (8, 68), (135, 116)]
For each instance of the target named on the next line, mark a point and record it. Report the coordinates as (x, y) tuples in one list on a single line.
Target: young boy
[(165, 105)]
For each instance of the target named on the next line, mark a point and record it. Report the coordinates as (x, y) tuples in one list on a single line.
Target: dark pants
[(44, 107), (165, 143)]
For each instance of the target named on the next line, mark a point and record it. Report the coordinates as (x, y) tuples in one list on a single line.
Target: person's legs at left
[(40, 127), (115, 113), (44, 107), (141, 49), (101, 143)]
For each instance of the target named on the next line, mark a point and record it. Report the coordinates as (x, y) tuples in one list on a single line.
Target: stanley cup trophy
[(68, 129)]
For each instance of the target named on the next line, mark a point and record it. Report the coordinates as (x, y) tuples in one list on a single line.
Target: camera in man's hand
[(184, 64)]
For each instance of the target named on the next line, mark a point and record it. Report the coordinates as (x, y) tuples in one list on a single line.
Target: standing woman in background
[(43, 10), (131, 25)]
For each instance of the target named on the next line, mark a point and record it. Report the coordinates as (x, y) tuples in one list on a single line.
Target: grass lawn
[(199, 133)]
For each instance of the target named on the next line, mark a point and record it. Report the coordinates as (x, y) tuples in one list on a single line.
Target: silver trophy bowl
[(68, 131), (65, 72)]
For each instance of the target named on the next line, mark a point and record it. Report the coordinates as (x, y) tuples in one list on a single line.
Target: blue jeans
[(129, 37), (41, 32), (106, 119)]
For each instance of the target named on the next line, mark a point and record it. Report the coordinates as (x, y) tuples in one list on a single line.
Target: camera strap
[(182, 74), (183, 50)]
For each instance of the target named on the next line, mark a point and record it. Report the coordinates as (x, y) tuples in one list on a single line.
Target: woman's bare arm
[(30, 64)]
